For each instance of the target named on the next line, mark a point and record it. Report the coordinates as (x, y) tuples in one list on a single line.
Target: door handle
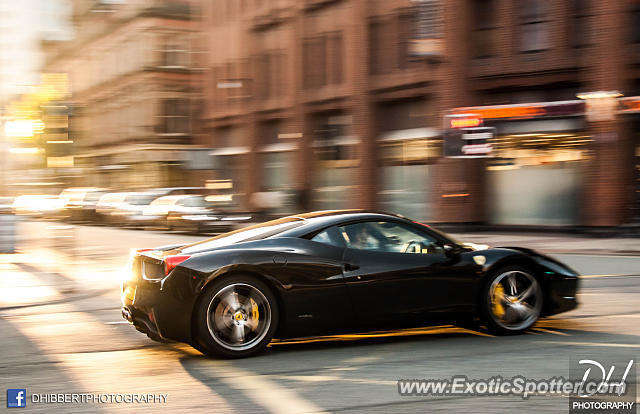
[(350, 267)]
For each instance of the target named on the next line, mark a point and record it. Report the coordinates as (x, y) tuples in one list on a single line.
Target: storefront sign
[(630, 104), (528, 111), (468, 142)]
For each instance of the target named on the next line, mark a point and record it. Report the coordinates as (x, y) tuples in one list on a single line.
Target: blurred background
[(498, 112)]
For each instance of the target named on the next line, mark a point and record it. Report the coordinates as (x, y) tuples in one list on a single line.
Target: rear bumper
[(159, 309)]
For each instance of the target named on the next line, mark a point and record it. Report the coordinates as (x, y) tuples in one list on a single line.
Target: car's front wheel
[(236, 317), (511, 301)]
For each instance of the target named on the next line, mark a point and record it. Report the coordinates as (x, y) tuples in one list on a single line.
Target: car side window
[(389, 236), (330, 236)]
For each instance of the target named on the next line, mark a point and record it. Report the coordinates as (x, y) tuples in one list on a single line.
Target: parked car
[(158, 211), (6, 205), (128, 212), (39, 206), (107, 204), (80, 203), (199, 215)]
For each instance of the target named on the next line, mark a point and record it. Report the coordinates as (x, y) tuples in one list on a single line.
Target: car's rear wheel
[(511, 301), (236, 317)]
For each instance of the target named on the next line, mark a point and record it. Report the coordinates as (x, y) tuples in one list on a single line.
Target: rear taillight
[(170, 262)]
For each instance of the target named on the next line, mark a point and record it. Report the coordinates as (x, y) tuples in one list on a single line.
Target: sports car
[(334, 272)]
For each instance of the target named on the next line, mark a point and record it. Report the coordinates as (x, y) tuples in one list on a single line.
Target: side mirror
[(451, 250)]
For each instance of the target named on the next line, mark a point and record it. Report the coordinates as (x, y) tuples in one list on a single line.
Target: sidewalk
[(45, 277)]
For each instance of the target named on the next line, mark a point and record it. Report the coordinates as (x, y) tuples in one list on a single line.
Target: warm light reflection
[(22, 128)]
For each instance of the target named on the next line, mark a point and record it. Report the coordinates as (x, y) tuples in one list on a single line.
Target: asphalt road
[(78, 343)]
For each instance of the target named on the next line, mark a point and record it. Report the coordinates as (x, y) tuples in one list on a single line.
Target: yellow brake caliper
[(496, 301), (254, 310)]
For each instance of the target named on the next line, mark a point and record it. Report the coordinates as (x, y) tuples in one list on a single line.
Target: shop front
[(536, 172), (335, 154), (408, 146), (407, 171)]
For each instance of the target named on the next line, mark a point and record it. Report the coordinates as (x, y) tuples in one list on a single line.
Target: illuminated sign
[(566, 108), (469, 142), (465, 122), (630, 104)]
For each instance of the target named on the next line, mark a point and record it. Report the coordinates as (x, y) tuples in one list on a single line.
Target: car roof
[(174, 197), (317, 220), (340, 215)]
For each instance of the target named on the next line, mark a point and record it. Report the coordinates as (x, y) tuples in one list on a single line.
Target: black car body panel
[(324, 289)]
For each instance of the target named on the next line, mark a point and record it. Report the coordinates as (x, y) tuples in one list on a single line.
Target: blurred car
[(6, 205), (128, 212), (80, 204), (39, 206), (343, 271), (160, 209), (164, 191), (108, 203), (199, 215)]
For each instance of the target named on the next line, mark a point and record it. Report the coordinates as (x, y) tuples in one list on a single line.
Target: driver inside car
[(362, 239)]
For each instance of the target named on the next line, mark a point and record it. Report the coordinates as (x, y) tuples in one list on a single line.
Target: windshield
[(255, 232), (164, 201)]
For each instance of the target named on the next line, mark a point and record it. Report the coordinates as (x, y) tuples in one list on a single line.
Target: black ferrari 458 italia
[(333, 272)]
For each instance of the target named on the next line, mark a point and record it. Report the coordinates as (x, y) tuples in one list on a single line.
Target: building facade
[(342, 103), (135, 84)]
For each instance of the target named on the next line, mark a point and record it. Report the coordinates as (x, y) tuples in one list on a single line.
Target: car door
[(396, 273), (318, 301)]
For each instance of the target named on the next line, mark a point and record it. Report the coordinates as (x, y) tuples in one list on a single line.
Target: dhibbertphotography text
[(84, 398)]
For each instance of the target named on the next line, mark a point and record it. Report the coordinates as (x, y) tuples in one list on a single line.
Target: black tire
[(524, 312), (219, 334)]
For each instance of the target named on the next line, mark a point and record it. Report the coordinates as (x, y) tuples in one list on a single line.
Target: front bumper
[(561, 294)]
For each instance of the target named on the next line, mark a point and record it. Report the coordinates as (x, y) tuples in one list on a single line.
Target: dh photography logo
[(605, 386), (16, 397)]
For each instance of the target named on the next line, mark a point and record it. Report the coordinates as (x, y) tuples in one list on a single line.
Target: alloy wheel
[(515, 300), (238, 316)]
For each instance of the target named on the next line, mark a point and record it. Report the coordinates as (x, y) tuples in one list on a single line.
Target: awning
[(279, 147), (344, 140), (408, 134), (541, 125), (231, 151)]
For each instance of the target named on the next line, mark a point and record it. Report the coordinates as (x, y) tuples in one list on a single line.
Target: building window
[(376, 36), (429, 19), (404, 39), (483, 32), (534, 27), (175, 117), (336, 53), (635, 25), (427, 29), (323, 60), (173, 53), (269, 67), (580, 34)]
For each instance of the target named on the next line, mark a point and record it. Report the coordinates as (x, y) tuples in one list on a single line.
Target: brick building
[(135, 86), (342, 102)]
